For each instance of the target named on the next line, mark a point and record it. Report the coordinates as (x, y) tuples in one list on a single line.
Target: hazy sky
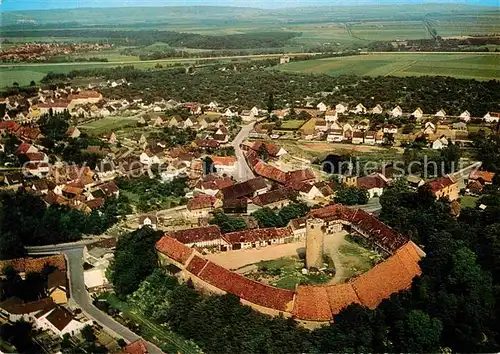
[(9, 5)]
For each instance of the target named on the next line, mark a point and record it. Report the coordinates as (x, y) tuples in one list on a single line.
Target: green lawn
[(356, 259), (153, 332), (478, 66), (292, 124), (286, 273), (108, 124), (468, 201)]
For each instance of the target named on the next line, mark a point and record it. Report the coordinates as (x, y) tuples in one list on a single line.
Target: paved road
[(373, 206), (80, 296), (243, 171)]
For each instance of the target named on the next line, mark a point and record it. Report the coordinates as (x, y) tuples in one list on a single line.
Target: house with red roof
[(202, 205), (444, 187), (200, 237)]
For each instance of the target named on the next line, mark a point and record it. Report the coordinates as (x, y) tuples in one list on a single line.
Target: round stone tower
[(314, 243)]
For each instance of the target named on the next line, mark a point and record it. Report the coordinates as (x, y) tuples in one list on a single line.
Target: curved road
[(243, 171), (80, 296)]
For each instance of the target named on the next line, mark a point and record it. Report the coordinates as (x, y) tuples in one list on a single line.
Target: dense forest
[(246, 85), (452, 306), (174, 39)]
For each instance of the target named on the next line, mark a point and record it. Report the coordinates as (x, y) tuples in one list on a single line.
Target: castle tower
[(314, 243)]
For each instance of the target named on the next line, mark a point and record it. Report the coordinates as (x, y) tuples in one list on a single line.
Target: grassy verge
[(161, 336), (468, 201)]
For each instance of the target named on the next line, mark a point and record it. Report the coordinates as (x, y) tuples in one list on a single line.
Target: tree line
[(174, 39), (223, 82)]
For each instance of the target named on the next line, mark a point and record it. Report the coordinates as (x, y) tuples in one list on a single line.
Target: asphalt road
[(243, 171), (80, 296)]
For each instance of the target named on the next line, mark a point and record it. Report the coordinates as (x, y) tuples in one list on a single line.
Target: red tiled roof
[(36, 156), (257, 235), (300, 176), (440, 183), (341, 296), (174, 249), (270, 172), (371, 181), (198, 234), (274, 196), (136, 347), (34, 265), (16, 306), (201, 201), (484, 175), (60, 318), (252, 291), (224, 160), (311, 303), (196, 265), (216, 183), (206, 143), (393, 275)]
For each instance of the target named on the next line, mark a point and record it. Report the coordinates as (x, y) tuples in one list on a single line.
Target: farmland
[(104, 125), (463, 65)]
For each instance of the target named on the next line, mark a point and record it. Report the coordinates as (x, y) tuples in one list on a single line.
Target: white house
[(429, 128), (441, 113), (377, 109), (491, 117), (440, 143), (418, 113), (213, 106), (173, 171), (225, 164), (390, 129), (397, 112), (335, 136), (331, 115), (322, 107), (188, 123), (357, 138), (374, 184), (229, 113), (149, 159), (148, 220), (340, 108), (255, 111), (370, 138), (465, 116), (60, 321), (247, 115), (360, 109)]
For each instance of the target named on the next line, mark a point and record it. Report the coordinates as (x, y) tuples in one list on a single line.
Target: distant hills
[(217, 16)]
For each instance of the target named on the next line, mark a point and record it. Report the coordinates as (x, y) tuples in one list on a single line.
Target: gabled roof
[(60, 318), (247, 289), (244, 189), (257, 235), (174, 249), (16, 306), (201, 201), (270, 172), (274, 196), (440, 183), (34, 265), (197, 234), (484, 175)]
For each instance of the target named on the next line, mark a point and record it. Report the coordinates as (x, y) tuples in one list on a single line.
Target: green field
[(468, 66), (292, 124), (108, 124)]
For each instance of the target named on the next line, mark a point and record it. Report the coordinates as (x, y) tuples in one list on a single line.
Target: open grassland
[(459, 65)]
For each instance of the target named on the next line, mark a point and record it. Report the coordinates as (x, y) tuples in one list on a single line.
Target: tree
[(88, 334), (135, 259), (270, 103), (208, 165), (32, 83), (351, 195), (268, 218), (418, 333), (228, 223)]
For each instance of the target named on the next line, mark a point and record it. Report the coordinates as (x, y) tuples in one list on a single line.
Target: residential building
[(444, 187)]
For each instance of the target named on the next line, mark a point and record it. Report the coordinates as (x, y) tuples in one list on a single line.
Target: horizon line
[(395, 4)]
